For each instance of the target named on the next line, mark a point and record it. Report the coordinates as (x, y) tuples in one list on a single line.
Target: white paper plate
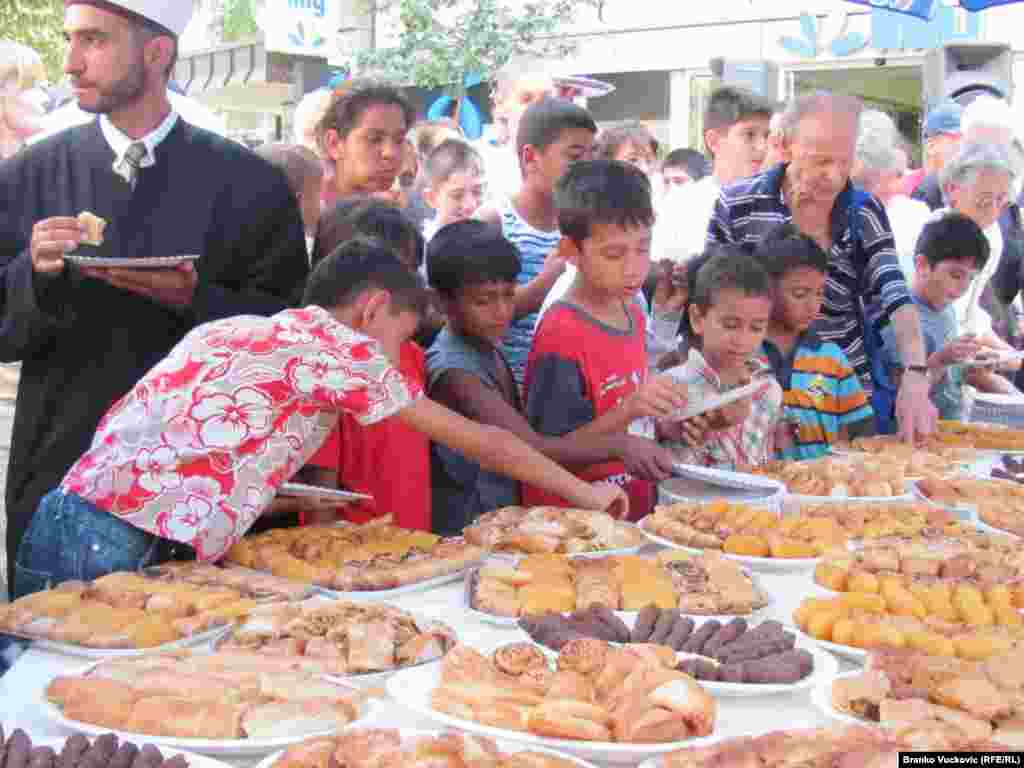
[(68, 649), (301, 490), (224, 747), (195, 760), (848, 652), (802, 499), (716, 401), (413, 688), (821, 698), (683, 490), (374, 595), (763, 564), (588, 86), (727, 479), (503, 745), (145, 262)]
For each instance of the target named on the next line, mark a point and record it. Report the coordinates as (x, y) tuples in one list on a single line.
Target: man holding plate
[(160, 188)]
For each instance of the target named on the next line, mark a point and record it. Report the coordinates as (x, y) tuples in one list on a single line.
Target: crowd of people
[(583, 288)]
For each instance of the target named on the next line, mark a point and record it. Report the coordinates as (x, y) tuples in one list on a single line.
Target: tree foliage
[(239, 21), (38, 24), (440, 42)]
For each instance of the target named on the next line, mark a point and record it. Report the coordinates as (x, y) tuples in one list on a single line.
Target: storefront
[(663, 65)]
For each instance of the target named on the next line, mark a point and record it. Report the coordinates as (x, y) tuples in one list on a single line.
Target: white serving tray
[(848, 652), (413, 687), (197, 640), (374, 595), (144, 262), (504, 746), (762, 564), (222, 747)]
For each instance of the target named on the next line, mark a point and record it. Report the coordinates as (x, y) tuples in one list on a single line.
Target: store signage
[(301, 27)]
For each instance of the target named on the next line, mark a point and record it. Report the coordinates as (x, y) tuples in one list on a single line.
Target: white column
[(679, 108)]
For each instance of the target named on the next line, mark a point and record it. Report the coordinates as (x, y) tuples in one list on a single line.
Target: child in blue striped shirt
[(823, 401)]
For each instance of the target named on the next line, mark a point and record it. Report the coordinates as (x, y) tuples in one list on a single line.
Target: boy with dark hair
[(184, 463), (735, 135), (681, 167), (950, 253), (552, 135), (473, 268), (587, 370), (822, 398)]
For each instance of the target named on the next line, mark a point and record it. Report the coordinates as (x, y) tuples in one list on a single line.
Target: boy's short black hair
[(722, 268), (359, 265), (611, 140), (952, 236), (450, 157), (602, 192), (690, 160), (786, 248), (467, 253), (353, 98), (544, 121), (730, 104), (367, 217)]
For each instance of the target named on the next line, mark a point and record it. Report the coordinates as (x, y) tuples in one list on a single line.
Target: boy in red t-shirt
[(367, 458), (587, 371)]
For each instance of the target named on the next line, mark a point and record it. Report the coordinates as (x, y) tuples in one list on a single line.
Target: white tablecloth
[(22, 687)]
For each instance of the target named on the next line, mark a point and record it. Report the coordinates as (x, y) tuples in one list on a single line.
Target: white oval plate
[(765, 564), (508, 559), (143, 262), (821, 698), (224, 747), (195, 760), (367, 595), (207, 637), (503, 745), (848, 652), (413, 688)]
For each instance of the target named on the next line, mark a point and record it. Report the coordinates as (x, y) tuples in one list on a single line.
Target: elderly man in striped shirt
[(813, 191)]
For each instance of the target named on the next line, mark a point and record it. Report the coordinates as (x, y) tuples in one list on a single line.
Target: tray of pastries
[(595, 701), (840, 477), (857, 622), (836, 746), (755, 536), (867, 520), (412, 748), (997, 503), (518, 531), (730, 658), (250, 583), (106, 751), (540, 584), (227, 702), (376, 560), (124, 614), (363, 642), (969, 702), (982, 436), (929, 570)]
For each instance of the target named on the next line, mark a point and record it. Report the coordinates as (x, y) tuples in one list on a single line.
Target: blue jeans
[(70, 538)]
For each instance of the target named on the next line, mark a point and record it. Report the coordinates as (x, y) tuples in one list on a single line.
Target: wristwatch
[(922, 369)]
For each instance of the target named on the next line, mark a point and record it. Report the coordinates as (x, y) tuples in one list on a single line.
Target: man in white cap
[(86, 334)]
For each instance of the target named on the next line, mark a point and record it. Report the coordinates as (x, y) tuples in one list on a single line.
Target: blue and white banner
[(925, 9)]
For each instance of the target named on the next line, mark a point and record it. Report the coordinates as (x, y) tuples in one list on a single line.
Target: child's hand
[(670, 291), (692, 432), (732, 414), (611, 499), (646, 459), (657, 398), (554, 265), (956, 351)]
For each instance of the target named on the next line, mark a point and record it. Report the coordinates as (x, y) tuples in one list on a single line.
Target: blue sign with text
[(898, 31)]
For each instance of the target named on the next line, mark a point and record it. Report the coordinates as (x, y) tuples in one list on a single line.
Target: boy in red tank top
[(587, 371)]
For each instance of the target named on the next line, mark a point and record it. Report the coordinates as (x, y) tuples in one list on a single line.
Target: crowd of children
[(567, 407)]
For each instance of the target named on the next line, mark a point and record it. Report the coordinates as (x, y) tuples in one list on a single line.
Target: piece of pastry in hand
[(93, 226)]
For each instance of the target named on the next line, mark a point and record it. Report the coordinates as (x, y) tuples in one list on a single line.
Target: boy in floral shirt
[(184, 463)]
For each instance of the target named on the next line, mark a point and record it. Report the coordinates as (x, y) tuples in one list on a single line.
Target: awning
[(925, 9), (244, 77)]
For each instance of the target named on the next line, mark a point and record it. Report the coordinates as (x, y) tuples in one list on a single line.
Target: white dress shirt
[(120, 141)]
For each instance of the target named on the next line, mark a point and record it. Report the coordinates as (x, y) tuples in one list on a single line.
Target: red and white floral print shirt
[(197, 449)]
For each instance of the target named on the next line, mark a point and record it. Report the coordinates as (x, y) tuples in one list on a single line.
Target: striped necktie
[(133, 158)]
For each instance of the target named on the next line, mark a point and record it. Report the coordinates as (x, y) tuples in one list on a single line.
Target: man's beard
[(121, 93)]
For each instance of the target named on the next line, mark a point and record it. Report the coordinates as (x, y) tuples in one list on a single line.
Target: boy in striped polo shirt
[(823, 400)]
